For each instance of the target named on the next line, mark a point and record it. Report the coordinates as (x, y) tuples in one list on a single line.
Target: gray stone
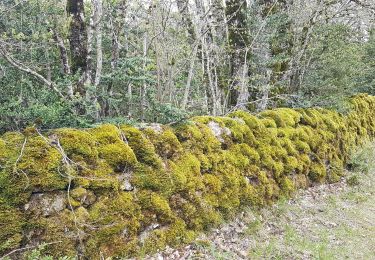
[(125, 182), (218, 130), (46, 204)]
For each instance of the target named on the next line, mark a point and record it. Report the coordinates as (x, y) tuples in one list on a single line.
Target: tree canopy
[(78, 63)]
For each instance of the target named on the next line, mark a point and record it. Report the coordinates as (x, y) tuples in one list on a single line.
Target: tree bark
[(99, 50), (77, 35), (239, 41), (64, 60), (183, 8), (189, 79), (63, 52), (144, 85)]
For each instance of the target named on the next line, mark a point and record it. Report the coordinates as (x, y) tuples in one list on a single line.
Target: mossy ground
[(132, 191)]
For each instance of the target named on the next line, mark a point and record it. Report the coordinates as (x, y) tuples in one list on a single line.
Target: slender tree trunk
[(211, 82), (144, 85), (63, 52), (189, 79), (243, 77), (266, 52), (183, 8), (90, 45), (208, 56), (99, 50), (77, 36), (239, 41), (217, 21), (116, 20), (64, 60), (99, 54)]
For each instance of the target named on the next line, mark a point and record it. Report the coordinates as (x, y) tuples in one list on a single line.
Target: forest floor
[(332, 221)]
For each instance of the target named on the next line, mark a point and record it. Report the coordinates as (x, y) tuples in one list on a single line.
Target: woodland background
[(78, 62)]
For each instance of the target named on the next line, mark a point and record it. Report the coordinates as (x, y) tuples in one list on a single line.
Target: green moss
[(288, 145), (197, 210), (174, 234), (197, 137), (106, 134), (142, 147), (206, 163), (250, 120), (291, 164), (154, 242), (146, 177), (184, 180), (248, 152), (305, 163), (186, 173), (336, 170), (41, 162), (81, 196), (79, 145), (282, 116), (119, 220), (178, 234), (158, 205), (31, 164), (11, 227), (310, 117), (317, 172), (118, 155), (302, 146), (212, 183), (98, 177), (240, 131), (161, 207), (269, 123), (166, 143), (287, 186), (3, 152)]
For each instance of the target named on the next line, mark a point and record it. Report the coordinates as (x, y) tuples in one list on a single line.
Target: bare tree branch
[(18, 65)]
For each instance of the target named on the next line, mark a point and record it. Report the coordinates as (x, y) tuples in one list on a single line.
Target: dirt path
[(326, 222)]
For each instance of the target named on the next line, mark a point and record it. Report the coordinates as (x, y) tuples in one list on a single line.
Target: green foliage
[(337, 67), (362, 160), (33, 107), (353, 180)]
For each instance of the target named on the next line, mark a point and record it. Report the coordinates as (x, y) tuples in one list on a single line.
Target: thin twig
[(15, 169), (27, 248)]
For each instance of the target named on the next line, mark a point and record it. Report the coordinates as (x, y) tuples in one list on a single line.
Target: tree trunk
[(189, 79), (64, 60), (99, 54), (239, 41), (99, 50), (144, 85), (208, 56), (183, 9), (77, 35)]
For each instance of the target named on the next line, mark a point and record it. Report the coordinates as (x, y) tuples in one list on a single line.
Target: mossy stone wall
[(123, 191)]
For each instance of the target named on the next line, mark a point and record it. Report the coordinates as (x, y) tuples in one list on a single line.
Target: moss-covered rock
[(121, 191), (12, 223)]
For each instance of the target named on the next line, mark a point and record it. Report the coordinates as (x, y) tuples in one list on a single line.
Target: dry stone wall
[(124, 191)]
